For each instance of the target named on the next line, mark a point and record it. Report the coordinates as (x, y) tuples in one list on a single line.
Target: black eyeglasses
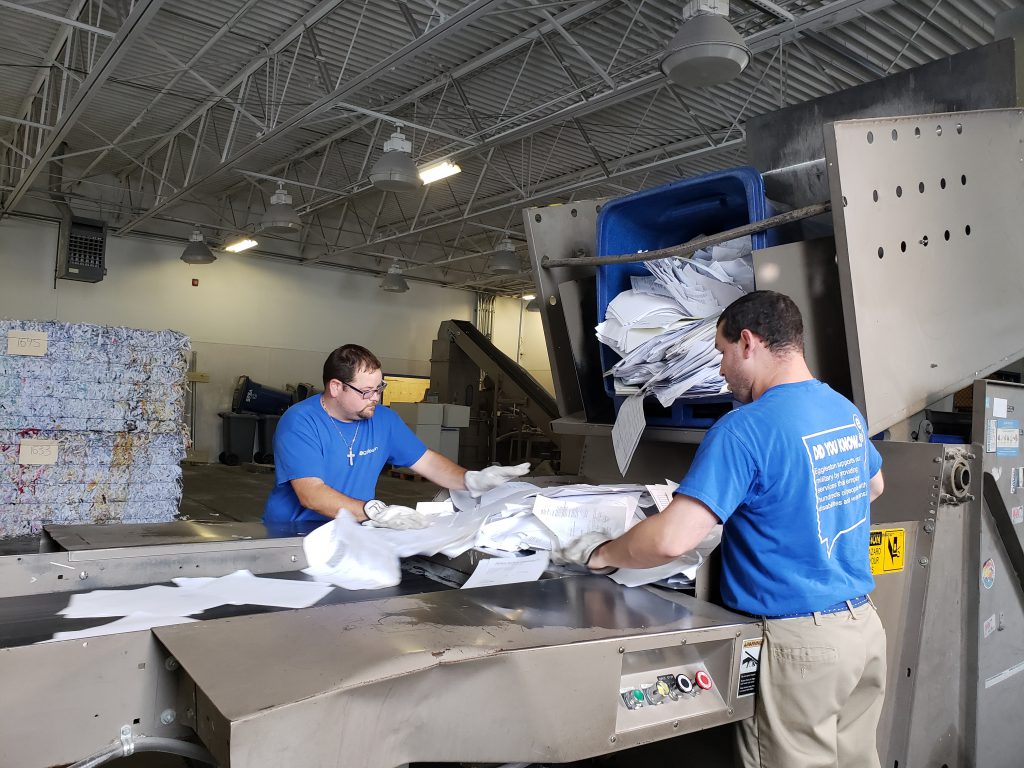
[(367, 394)]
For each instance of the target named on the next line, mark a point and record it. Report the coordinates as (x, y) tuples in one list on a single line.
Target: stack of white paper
[(664, 326)]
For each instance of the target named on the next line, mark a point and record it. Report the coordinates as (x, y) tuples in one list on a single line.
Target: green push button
[(638, 695)]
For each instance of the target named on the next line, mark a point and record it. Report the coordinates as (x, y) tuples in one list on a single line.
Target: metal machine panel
[(995, 575), (806, 272), (346, 685), (927, 216)]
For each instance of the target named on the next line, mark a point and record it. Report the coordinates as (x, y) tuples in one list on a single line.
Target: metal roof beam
[(428, 40), (143, 12)]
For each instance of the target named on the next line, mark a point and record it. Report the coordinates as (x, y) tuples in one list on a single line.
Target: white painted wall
[(520, 335), (274, 322)]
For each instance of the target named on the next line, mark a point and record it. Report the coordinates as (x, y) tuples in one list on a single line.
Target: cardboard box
[(430, 434), (419, 414), (450, 444), (455, 416)]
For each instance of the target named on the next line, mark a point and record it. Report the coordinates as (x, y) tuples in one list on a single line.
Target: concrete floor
[(220, 493)]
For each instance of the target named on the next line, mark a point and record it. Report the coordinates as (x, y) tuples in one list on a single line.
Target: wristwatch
[(372, 507)]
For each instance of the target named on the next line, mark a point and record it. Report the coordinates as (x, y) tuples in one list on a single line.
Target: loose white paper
[(436, 508), (629, 425), (507, 570), (687, 565), (131, 623), (999, 407), (348, 555), (243, 588), (662, 494), (568, 519), (157, 600)]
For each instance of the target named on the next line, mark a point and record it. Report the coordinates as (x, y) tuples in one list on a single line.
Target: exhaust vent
[(82, 256)]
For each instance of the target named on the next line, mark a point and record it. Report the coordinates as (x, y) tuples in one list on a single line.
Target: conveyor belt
[(30, 619)]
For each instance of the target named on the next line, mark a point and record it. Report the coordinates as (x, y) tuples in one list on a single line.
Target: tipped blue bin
[(662, 217)]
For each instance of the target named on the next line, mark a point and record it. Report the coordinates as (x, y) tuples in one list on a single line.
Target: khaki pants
[(822, 680)]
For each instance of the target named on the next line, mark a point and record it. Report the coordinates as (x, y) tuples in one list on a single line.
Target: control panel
[(666, 688), (677, 686)]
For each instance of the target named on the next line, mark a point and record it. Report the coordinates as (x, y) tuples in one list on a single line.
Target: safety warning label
[(750, 660), (888, 550)]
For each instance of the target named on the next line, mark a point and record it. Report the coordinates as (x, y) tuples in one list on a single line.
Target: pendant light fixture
[(197, 251), (393, 281), (505, 261), (280, 217), (395, 171), (706, 50)]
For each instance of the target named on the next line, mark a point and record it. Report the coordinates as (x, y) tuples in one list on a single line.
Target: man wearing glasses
[(329, 451)]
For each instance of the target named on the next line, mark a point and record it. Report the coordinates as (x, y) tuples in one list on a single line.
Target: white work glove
[(579, 551), (480, 482), (394, 516)]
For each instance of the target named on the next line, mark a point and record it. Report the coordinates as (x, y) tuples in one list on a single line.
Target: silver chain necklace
[(351, 454)]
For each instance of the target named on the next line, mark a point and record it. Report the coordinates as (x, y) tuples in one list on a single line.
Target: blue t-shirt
[(788, 475), (310, 443)]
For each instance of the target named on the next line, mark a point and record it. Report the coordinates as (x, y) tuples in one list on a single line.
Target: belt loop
[(817, 618), (849, 605), (872, 602)]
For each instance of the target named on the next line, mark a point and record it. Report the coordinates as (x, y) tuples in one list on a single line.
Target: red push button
[(703, 680)]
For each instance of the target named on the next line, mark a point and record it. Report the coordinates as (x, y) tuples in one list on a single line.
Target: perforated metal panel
[(929, 225)]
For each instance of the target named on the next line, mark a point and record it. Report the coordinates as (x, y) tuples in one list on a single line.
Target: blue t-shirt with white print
[(788, 476), (310, 443)]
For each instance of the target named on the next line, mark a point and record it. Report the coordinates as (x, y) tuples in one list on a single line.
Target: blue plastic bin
[(670, 215), (250, 397)]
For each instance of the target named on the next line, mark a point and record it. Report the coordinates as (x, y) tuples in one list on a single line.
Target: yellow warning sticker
[(888, 550)]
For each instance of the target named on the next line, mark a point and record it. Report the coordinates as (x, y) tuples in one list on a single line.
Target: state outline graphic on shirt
[(838, 480)]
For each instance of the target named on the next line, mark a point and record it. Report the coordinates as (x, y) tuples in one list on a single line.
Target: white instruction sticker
[(32, 451), (750, 660), (999, 407), (990, 625), (31, 343), (990, 435)]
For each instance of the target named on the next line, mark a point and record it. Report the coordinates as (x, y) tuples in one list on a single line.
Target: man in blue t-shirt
[(329, 451), (791, 476)]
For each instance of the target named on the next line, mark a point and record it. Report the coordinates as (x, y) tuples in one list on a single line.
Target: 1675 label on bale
[(31, 343)]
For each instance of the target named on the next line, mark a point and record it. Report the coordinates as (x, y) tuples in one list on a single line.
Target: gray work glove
[(394, 516), (480, 482), (578, 551)]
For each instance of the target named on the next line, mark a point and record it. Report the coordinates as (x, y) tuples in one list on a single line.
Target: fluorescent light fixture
[(528, 297), (241, 245), (438, 171)]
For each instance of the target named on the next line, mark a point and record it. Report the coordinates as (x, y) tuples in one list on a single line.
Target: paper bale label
[(34, 451), (31, 343)]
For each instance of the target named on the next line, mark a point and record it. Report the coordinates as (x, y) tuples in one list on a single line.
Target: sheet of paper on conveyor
[(507, 570), (131, 623), (662, 494), (569, 519)]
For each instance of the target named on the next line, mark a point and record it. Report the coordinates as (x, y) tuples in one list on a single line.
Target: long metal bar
[(690, 248), (58, 42), (71, 22), (403, 122), (210, 43), (548, 193), (282, 42), (528, 37), (453, 24), (141, 15)]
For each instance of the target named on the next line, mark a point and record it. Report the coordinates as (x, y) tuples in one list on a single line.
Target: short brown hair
[(346, 361), (771, 315)]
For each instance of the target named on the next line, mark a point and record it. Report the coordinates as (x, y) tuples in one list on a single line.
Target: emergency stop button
[(703, 680)]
